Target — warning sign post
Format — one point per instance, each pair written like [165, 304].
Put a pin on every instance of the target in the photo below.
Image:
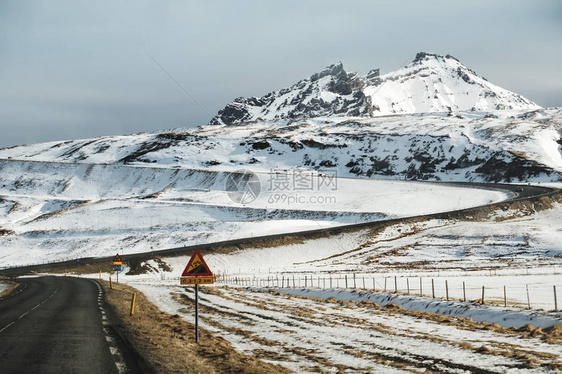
[117, 265]
[196, 272]
[117, 260]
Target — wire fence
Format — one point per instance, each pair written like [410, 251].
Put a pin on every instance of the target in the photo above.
[502, 291]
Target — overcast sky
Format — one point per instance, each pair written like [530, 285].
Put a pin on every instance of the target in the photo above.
[78, 69]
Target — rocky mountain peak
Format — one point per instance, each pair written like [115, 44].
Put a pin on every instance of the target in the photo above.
[335, 70]
[430, 83]
[425, 56]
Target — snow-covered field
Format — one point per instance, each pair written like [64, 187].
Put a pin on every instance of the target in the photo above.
[68, 211]
[321, 305]
[334, 331]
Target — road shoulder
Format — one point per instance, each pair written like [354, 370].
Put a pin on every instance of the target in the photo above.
[166, 342]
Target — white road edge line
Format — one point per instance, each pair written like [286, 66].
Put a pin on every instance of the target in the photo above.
[112, 344]
[10, 324]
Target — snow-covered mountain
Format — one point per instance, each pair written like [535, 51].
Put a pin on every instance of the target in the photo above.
[431, 83]
[443, 122]
[77, 198]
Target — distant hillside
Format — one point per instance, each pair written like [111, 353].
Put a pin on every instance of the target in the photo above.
[517, 147]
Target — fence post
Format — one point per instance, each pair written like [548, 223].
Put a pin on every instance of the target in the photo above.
[408, 285]
[364, 284]
[504, 297]
[432, 288]
[421, 287]
[374, 285]
[555, 300]
[354, 283]
[464, 291]
[447, 289]
[346, 281]
[528, 299]
[384, 284]
[482, 294]
[395, 285]
[331, 281]
[133, 303]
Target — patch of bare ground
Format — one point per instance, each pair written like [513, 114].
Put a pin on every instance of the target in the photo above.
[521, 207]
[167, 342]
[14, 207]
[6, 232]
[139, 266]
[80, 269]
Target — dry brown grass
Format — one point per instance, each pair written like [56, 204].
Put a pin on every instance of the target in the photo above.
[553, 335]
[167, 341]
[11, 286]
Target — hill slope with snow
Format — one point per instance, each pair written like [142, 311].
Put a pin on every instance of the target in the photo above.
[516, 147]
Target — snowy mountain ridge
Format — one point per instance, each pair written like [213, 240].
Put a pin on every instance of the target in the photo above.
[431, 83]
[518, 147]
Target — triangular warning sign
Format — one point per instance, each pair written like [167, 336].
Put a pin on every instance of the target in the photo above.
[196, 267]
[117, 260]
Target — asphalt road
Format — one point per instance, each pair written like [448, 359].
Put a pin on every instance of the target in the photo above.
[54, 325]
